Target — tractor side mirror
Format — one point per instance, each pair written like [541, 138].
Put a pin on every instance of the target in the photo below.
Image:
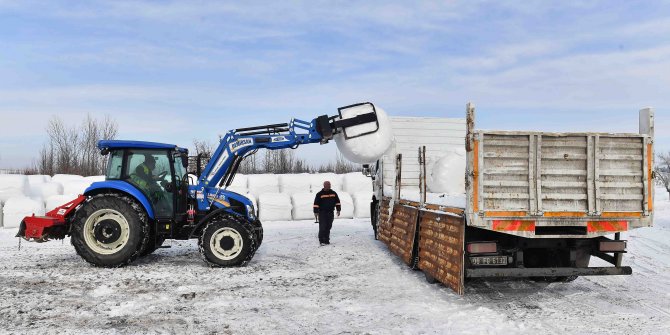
[184, 159]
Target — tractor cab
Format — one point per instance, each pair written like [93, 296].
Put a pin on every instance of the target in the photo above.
[157, 170]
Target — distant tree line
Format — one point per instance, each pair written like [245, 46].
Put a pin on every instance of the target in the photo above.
[72, 149]
[276, 161]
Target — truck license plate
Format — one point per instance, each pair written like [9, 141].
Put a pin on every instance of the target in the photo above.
[489, 260]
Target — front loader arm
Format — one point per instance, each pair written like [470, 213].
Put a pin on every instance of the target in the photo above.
[237, 143]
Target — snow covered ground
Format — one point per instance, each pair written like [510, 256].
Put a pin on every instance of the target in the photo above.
[294, 286]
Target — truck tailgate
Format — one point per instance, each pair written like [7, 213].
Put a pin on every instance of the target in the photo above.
[537, 184]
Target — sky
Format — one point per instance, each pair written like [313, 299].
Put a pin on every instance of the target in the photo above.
[174, 71]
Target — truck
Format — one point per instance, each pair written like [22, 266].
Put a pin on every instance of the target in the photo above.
[536, 204]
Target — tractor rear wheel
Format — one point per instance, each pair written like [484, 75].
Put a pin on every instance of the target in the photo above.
[227, 241]
[110, 230]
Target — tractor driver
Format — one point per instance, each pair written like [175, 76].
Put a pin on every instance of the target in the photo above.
[147, 182]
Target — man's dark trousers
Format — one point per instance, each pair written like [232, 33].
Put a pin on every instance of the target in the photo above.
[325, 224]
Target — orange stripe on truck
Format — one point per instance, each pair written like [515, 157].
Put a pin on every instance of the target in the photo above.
[606, 226]
[499, 214]
[650, 187]
[513, 225]
[621, 214]
[563, 214]
[475, 178]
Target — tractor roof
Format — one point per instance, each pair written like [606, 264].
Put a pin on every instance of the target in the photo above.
[121, 144]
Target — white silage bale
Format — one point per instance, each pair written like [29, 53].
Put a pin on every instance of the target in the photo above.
[58, 200]
[38, 179]
[1, 215]
[362, 202]
[274, 207]
[16, 209]
[316, 181]
[239, 184]
[46, 190]
[262, 183]
[303, 206]
[95, 179]
[356, 182]
[12, 186]
[63, 178]
[76, 186]
[294, 183]
[347, 203]
[448, 173]
[366, 148]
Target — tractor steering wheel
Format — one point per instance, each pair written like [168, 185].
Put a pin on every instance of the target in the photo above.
[161, 175]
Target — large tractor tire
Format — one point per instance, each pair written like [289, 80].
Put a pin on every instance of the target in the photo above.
[227, 241]
[110, 230]
[258, 232]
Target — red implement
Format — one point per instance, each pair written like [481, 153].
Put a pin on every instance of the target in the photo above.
[54, 225]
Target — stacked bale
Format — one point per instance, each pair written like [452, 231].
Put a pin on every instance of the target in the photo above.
[12, 186]
[259, 184]
[294, 183]
[302, 206]
[15, 209]
[362, 202]
[316, 181]
[274, 207]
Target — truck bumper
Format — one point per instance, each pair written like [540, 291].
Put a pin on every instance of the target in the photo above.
[546, 272]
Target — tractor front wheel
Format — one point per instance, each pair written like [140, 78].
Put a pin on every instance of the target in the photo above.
[109, 230]
[227, 242]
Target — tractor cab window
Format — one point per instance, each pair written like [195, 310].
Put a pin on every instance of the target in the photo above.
[114, 165]
[149, 171]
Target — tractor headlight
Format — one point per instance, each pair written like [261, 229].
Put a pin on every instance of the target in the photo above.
[251, 211]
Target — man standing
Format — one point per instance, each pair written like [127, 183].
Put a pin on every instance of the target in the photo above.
[325, 203]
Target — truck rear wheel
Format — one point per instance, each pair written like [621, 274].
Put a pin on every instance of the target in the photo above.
[109, 230]
[374, 217]
[227, 242]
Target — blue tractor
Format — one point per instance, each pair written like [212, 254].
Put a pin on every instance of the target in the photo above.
[146, 197]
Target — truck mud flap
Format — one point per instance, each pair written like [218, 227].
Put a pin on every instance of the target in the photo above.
[441, 239]
[547, 272]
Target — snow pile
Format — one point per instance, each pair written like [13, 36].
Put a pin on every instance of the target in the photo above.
[302, 206]
[362, 202]
[367, 148]
[239, 184]
[316, 181]
[356, 182]
[262, 183]
[58, 200]
[294, 183]
[448, 174]
[76, 186]
[45, 190]
[274, 207]
[12, 186]
[16, 209]
[347, 203]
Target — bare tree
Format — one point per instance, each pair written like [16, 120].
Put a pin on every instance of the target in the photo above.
[662, 170]
[73, 149]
